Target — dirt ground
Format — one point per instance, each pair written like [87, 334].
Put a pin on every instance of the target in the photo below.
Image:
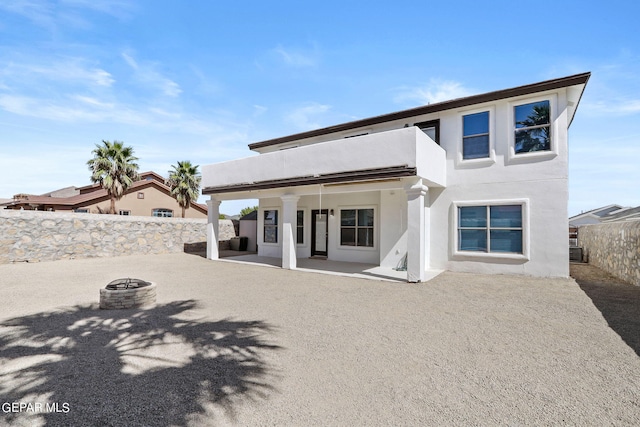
[619, 302]
[236, 344]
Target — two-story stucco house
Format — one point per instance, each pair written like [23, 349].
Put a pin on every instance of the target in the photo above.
[475, 184]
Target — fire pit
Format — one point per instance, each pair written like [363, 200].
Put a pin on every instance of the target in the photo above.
[127, 293]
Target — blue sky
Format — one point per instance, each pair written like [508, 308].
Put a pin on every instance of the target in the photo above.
[199, 80]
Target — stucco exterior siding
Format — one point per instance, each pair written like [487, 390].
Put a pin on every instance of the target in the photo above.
[416, 214]
[411, 148]
[152, 199]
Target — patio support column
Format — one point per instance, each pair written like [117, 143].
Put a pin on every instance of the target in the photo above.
[213, 214]
[289, 217]
[417, 232]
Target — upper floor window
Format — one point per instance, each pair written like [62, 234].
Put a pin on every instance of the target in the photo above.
[475, 135]
[532, 127]
[163, 213]
[123, 212]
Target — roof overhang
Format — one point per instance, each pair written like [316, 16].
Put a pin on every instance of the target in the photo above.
[574, 80]
[355, 176]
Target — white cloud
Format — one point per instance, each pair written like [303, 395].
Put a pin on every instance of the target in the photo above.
[69, 71]
[121, 9]
[146, 74]
[297, 58]
[437, 90]
[40, 12]
[54, 15]
[612, 106]
[259, 110]
[306, 117]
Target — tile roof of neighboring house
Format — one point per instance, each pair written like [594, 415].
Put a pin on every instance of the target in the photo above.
[95, 193]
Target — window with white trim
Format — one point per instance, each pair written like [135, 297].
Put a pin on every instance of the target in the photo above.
[491, 228]
[162, 213]
[532, 127]
[475, 135]
[356, 227]
[270, 232]
[123, 212]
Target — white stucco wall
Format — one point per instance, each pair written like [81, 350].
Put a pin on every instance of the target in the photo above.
[538, 180]
[249, 229]
[336, 202]
[408, 147]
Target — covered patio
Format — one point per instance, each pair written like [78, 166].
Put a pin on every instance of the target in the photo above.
[324, 266]
[361, 200]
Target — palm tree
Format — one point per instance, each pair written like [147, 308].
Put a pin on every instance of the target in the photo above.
[113, 167]
[184, 181]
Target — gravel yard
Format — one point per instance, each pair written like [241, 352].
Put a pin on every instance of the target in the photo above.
[231, 344]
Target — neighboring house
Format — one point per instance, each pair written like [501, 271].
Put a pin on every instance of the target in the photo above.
[476, 184]
[148, 196]
[595, 216]
[626, 214]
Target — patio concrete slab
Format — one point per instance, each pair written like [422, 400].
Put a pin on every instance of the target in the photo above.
[240, 344]
[338, 268]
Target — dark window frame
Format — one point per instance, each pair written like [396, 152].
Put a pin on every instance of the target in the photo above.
[300, 227]
[357, 228]
[272, 227]
[430, 124]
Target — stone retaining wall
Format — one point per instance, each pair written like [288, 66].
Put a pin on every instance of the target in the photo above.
[613, 247]
[31, 236]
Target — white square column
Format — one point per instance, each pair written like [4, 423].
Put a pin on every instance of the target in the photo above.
[289, 224]
[213, 215]
[417, 232]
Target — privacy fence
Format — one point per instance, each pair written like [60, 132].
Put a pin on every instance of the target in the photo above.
[31, 236]
[613, 247]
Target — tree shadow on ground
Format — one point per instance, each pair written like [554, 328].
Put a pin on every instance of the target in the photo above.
[133, 367]
[618, 302]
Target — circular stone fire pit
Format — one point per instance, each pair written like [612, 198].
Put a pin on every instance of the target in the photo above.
[127, 293]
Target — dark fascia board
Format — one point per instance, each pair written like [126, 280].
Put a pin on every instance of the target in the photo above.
[339, 177]
[575, 79]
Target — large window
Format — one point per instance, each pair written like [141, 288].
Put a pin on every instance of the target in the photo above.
[271, 226]
[356, 227]
[163, 213]
[489, 229]
[475, 135]
[532, 127]
[300, 227]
